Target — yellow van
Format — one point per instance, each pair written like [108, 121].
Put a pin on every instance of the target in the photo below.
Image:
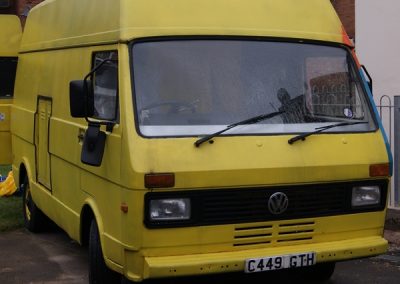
[10, 37]
[183, 137]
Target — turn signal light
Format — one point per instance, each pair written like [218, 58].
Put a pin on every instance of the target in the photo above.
[159, 180]
[379, 170]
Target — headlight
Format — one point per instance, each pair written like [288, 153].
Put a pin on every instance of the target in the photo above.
[170, 209]
[366, 195]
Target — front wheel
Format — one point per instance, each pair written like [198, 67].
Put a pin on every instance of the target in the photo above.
[34, 219]
[98, 271]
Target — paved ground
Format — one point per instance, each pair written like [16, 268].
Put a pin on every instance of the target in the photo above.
[52, 257]
[41, 258]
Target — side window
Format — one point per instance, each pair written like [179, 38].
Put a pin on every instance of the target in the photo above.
[105, 85]
[8, 69]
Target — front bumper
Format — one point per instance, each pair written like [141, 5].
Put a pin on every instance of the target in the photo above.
[210, 263]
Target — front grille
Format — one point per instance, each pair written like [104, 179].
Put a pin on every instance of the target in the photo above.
[237, 206]
[244, 205]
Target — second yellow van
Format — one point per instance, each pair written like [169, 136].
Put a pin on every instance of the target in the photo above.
[10, 36]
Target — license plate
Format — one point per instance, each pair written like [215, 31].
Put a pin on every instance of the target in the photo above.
[280, 262]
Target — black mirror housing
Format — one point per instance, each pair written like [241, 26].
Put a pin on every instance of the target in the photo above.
[77, 99]
[93, 146]
[80, 100]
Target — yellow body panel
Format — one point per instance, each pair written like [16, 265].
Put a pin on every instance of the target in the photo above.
[47, 144]
[235, 261]
[122, 20]
[266, 160]
[10, 37]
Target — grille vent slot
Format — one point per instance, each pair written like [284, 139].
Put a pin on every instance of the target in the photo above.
[295, 232]
[274, 234]
[253, 235]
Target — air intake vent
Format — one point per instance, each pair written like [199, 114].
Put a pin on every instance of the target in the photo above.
[274, 234]
[253, 235]
[5, 3]
[295, 232]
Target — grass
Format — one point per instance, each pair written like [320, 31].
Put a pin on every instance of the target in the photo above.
[4, 170]
[10, 213]
[10, 209]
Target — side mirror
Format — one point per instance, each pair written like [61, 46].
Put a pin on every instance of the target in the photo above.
[79, 99]
[96, 99]
[97, 95]
[369, 77]
[93, 146]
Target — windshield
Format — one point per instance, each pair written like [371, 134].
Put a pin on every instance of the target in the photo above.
[198, 87]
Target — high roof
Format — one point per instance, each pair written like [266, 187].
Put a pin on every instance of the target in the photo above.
[58, 23]
[10, 35]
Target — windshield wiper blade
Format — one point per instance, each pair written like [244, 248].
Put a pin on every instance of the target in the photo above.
[251, 120]
[321, 129]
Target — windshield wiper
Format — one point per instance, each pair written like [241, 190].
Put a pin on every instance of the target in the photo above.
[252, 120]
[321, 129]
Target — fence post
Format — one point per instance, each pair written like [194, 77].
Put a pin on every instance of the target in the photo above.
[389, 107]
[396, 150]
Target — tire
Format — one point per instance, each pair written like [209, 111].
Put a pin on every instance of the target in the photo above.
[320, 272]
[98, 271]
[34, 219]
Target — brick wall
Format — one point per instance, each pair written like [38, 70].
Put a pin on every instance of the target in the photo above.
[23, 7]
[346, 11]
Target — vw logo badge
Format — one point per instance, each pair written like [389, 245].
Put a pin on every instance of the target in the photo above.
[278, 203]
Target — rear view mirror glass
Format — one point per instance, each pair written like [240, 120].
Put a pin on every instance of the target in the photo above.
[78, 95]
[105, 86]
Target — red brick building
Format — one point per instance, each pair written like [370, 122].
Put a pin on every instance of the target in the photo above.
[18, 7]
[345, 9]
[347, 13]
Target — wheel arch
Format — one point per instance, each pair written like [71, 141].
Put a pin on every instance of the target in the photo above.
[22, 174]
[24, 171]
[88, 213]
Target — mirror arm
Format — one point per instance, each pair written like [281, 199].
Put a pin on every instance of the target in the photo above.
[90, 74]
[110, 126]
[86, 98]
[92, 135]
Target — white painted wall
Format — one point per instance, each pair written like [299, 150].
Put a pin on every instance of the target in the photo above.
[378, 42]
[378, 48]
